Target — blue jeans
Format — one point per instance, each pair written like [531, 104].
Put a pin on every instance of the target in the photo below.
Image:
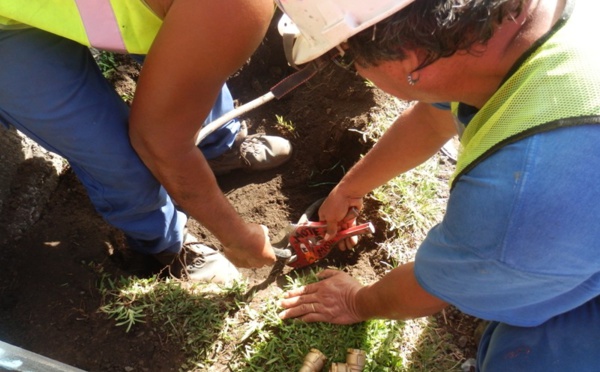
[567, 342]
[52, 90]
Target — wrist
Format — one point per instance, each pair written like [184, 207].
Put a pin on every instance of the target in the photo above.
[361, 304]
[248, 236]
[235, 233]
[346, 189]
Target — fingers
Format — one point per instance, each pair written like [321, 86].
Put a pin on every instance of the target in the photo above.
[297, 306]
[309, 312]
[332, 229]
[301, 304]
[330, 212]
[348, 243]
[252, 249]
[328, 300]
[339, 212]
[351, 215]
[301, 294]
[267, 247]
[328, 273]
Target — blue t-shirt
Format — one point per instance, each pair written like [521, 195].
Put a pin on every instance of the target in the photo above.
[520, 241]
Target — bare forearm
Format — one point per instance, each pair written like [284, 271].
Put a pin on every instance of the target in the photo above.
[196, 189]
[182, 76]
[189, 181]
[338, 298]
[415, 136]
[397, 295]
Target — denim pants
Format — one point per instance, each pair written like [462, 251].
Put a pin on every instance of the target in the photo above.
[567, 342]
[519, 245]
[52, 90]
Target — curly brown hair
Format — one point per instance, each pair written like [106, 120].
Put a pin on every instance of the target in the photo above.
[440, 28]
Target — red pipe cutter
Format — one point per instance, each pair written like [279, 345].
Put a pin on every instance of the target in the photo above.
[302, 244]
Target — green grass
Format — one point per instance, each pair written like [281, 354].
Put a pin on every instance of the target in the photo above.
[219, 328]
[203, 319]
[107, 63]
[215, 328]
[287, 127]
[411, 204]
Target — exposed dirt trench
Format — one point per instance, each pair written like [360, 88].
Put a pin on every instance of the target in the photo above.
[48, 286]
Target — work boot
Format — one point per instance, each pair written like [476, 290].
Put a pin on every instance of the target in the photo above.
[199, 263]
[252, 153]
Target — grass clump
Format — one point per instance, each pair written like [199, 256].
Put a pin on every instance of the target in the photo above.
[221, 329]
[107, 63]
[282, 345]
[216, 328]
[195, 315]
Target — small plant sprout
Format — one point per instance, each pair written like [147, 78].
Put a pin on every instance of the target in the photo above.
[285, 125]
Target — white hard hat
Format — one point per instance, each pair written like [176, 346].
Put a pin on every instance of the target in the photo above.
[321, 25]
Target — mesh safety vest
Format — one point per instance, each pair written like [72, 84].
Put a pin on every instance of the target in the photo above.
[556, 84]
[126, 26]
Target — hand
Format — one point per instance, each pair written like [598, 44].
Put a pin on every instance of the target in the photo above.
[332, 300]
[348, 221]
[348, 243]
[336, 211]
[252, 248]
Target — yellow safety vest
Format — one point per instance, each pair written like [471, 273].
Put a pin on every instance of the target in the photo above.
[557, 85]
[126, 26]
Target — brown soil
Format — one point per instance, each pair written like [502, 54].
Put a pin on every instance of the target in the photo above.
[48, 286]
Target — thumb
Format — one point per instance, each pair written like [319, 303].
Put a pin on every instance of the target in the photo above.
[265, 230]
[327, 273]
[332, 229]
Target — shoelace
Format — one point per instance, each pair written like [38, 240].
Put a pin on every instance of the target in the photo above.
[251, 145]
[200, 257]
[197, 263]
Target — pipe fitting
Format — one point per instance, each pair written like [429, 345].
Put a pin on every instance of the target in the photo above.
[313, 361]
[355, 362]
[356, 357]
[342, 367]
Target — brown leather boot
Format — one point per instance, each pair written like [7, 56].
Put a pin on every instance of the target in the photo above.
[252, 153]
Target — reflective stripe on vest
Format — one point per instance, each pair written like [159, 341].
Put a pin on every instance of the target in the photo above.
[557, 85]
[101, 25]
[115, 25]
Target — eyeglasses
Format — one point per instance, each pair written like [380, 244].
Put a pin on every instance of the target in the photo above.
[345, 60]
